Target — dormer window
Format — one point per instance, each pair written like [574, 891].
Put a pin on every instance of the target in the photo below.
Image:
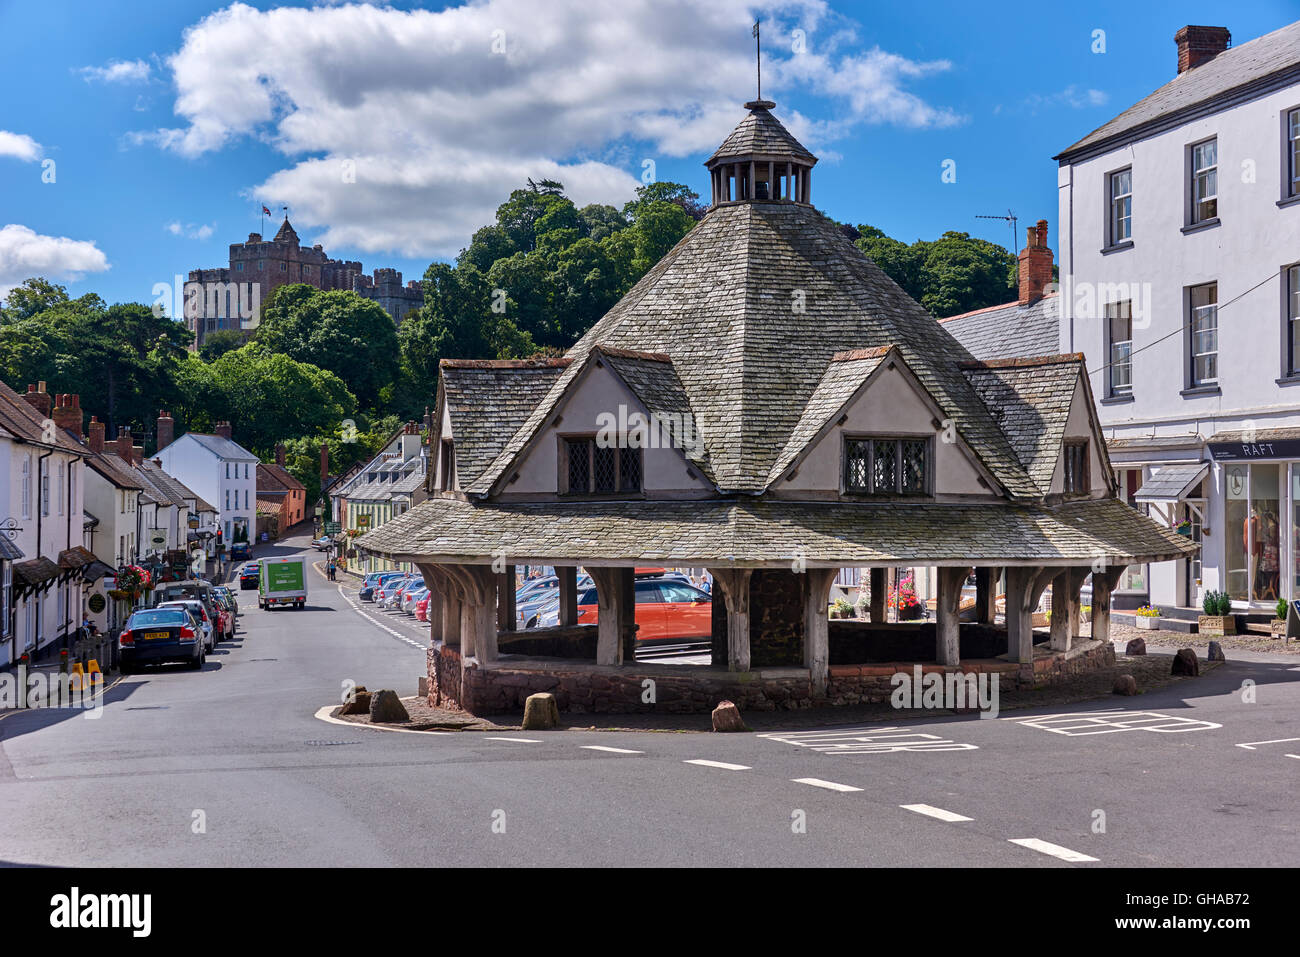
[1076, 468]
[590, 468]
[887, 466]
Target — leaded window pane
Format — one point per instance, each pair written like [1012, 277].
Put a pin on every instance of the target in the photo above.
[913, 466]
[886, 466]
[604, 469]
[629, 470]
[579, 465]
[857, 462]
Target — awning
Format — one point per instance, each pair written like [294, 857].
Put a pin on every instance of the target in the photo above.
[8, 550]
[96, 570]
[33, 574]
[1172, 483]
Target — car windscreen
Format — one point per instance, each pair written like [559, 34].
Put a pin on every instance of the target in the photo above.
[158, 618]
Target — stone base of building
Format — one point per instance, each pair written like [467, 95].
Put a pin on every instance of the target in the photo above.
[583, 687]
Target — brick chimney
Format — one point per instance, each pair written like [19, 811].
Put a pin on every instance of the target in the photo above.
[324, 462]
[223, 429]
[67, 413]
[137, 455]
[95, 436]
[124, 443]
[279, 454]
[39, 399]
[1197, 45]
[1035, 264]
[166, 430]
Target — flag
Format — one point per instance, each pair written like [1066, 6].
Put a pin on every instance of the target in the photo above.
[755, 28]
[265, 211]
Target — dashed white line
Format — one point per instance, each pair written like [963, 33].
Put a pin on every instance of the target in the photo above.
[718, 764]
[930, 810]
[378, 624]
[601, 747]
[1250, 745]
[1055, 850]
[519, 740]
[828, 785]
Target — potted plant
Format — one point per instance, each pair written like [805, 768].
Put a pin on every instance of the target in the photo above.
[1277, 627]
[840, 608]
[1217, 619]
[904, 599]
[1184, 528]
[1148, 618]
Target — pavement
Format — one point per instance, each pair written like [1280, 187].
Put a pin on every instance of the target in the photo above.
[230, 766]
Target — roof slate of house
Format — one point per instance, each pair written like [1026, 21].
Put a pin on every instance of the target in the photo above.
[751, 305]
[1274, 53]
[178, 490]
[1001, 332]
[1171, 482]
[160, 490]
[115, 470]
[277, 479]
[1031, 403]
[773, 532]
[411, 483]
[761, 133]
[222, 448]
[488, 403]
[19, 418]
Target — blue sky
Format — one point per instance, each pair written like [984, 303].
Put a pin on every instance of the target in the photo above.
[170, 127]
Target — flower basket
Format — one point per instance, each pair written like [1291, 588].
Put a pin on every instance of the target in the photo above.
[1216, 625]
[1277, 627]
[1184, 529]
[1147, 623]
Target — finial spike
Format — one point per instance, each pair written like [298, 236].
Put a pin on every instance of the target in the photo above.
[758, 56]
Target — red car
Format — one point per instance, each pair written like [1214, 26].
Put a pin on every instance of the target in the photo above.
[422, 608]
[666, 610]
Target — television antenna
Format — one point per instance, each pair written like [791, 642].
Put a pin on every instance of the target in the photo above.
[1010, 220]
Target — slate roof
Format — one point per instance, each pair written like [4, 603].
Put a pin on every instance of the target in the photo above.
[1170, 483]
[1207, 85]
[768, 532]
[179, 492]
[8, 550]
[761, 133]
[721, 303]
[221, 447]
[275, 479]
[1009, 331]
[158, 490]
[33, 573]
[285, 233]
[1031, 402]
[24, 422]
[113, 468]
[488, 402]
[411, 483]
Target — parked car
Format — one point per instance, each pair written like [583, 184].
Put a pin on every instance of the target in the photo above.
[411, 595]
[320, 544]
[200, 614]
[371, 583]
[422, 608]
[241, 551]
[249, 576]
[666, 610]
[230, 597]
[223, 601]
[156, 635]
[392, 591]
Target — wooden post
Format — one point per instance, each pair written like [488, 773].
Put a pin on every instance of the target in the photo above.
[879, 592]
[506, 616]
[568, 576]
[789, 181]
[438, 589]
[947, 647]
[1024, 587]
[772, 187]
[734, 583]
[753, 190]
[612, 606]
[986, 602]
[1103, 584]
[816, 629]
[807, 185]
[1060, 631]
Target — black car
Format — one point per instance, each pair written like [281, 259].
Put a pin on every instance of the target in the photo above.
[241, 552]
[156, 635]
[249, 575]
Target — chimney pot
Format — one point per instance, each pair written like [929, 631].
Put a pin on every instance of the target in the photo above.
[39, 399]
[1035, 264]
[95, 438]
[279, 454]
[67, 413]
[223, 430]
[124, 444]
[1197, 45]
[166, 433]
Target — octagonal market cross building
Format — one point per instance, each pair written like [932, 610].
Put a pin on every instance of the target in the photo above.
[767, 404]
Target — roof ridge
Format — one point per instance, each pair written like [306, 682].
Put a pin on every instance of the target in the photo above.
[632, 353]
[1005, 305]
[558, 362]
[1023, 362]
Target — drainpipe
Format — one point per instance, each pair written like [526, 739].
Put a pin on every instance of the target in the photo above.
[40, 501]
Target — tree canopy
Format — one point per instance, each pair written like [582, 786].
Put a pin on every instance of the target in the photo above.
[949, 275]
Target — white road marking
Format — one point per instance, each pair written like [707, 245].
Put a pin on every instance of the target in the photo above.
[323, 714]
[1296, 756]
[1111, 722]
[869, 741]
[828, 785]
[519, 740]
[718, 764]
[1250, 745]
[601, 747]
[378, 624]
[1055, 850]
[931, 811]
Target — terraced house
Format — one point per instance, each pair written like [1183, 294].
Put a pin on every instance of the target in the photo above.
[382, 488]
[767, 404]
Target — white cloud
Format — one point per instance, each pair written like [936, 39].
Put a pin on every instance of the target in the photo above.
[19, 145]
[189, 230]
[117, 71]
[439, 128]
[1072, 96]
[25, 253]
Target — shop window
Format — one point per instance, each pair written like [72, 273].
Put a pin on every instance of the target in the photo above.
[1119, 333]
[1205, 334]
[886, 466]
[1252, 510]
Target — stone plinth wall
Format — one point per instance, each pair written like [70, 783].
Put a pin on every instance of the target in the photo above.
[873, 683]
[502, 690]
[577, 642]
[444, 676]
[775, 620]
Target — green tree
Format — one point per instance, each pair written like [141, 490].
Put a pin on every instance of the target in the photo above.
[217, 344]
[948, 276]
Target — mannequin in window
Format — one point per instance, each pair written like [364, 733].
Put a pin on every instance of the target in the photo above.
[1250, 540]
[1266, 585]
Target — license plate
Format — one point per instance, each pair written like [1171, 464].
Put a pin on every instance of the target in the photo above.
[151, 635]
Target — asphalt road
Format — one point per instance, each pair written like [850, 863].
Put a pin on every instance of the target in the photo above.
[237, 749]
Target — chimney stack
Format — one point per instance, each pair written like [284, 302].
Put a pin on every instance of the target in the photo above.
[124, 443]
[324, 462]
[428, 421]
[1197, 45]
[95, 438]
[166, 430]
[223, 429]
[137, 455]
[279, 454]
[67, 413]
[1035, 264]
[39, 399]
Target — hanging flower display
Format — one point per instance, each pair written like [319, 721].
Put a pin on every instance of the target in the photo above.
[134, 580]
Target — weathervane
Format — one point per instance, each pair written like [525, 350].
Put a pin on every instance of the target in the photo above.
[758, 56]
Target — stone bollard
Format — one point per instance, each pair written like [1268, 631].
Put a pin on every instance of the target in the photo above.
[1216, 652]
[387, 708]
[541, 712]
[360, 703]
[1186, 663]
[726, 717]
[1125, 685]
[1138, 646]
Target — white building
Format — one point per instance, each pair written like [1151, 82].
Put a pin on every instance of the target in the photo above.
[222, 472]
[1180, 283]
[41, 522]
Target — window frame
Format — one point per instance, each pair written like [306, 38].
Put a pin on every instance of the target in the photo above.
[1114, 389]
[1194, 217]
[568, 440]
[1291, 153]
[848, 488]
[1112, 237]
[1081, 475]
[1194, 381]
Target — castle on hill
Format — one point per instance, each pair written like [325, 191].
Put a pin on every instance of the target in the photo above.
[258, 267]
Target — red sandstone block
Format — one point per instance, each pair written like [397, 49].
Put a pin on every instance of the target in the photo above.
[844, 671]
